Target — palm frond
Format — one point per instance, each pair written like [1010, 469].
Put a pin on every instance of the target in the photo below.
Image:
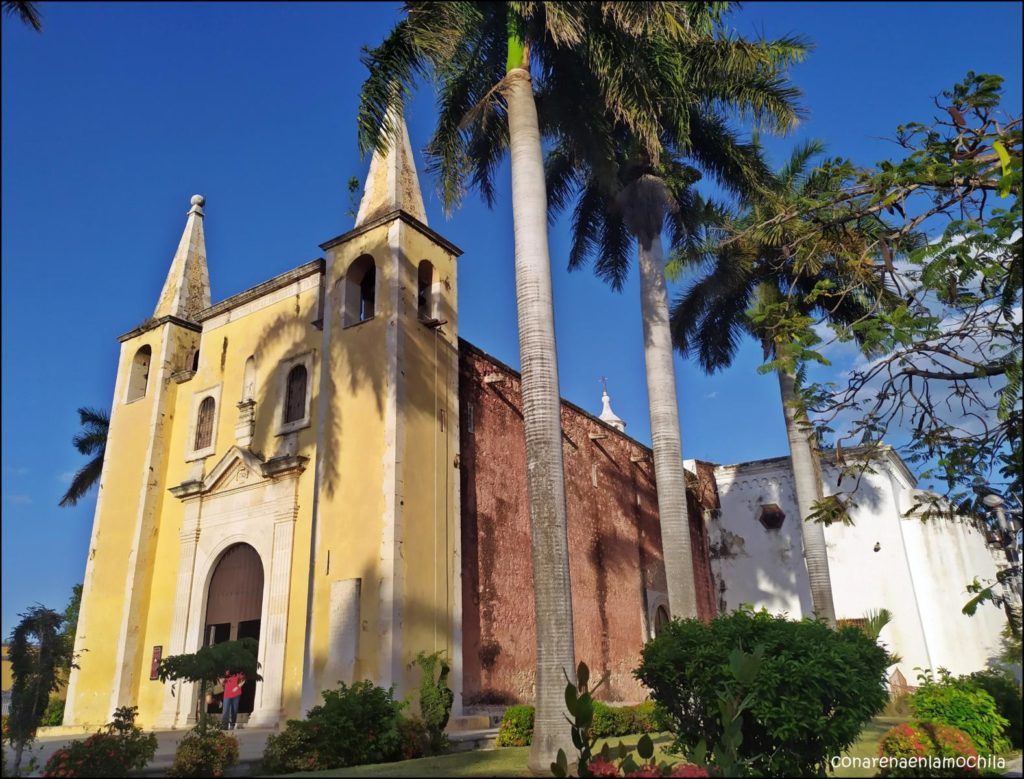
[26, 11]
[83, 481]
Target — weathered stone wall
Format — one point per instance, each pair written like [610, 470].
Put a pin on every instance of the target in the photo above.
[615, 563]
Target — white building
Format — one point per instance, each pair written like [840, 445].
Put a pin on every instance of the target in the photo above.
[918, 570]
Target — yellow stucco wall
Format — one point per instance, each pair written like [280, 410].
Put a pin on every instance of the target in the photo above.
[271, 335]
[386, 424]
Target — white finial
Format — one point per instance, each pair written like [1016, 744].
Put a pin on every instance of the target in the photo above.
[607, 415]
[198, 201]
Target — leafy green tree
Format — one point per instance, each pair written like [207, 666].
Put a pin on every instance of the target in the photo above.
[944, 356]
[949, 356]
[752, 284]
[207, 665]
[37, 652]
[92, 442]
[501, 68]
[626, 196]
[70, 626]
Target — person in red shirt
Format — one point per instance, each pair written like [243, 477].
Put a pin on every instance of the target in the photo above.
[233, 682]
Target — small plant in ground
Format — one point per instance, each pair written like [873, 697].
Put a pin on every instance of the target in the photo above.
[116, 751]
[962, 704]
[415, 738]
[617, 761]
[205, 751]
[516, 729]
[919, 743]
[54, 714]
[436, 698]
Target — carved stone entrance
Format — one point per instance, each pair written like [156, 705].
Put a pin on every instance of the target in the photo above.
[234, 607]
[243, 500]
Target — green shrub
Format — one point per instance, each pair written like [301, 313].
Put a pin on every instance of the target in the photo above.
[814, 691]
[647, 718]
[415, 738]
[54, 713]
[927, 740]
[516, 729]
[353, 726]
[962, 704]
[436, 699]
[1007, 695]
[116, 751]
[205, 752]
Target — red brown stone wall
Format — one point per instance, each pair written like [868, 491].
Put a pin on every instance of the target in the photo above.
[615, 553]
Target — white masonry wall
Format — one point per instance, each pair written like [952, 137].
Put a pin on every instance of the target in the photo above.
[919, 571]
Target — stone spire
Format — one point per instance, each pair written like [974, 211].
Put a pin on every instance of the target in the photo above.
[607, 415]
[187, 289]
[392, 184]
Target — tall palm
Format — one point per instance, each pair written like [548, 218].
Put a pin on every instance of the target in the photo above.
[752, 270]
[488, 60]
[624, 195]
[91, 441]
[26, 11]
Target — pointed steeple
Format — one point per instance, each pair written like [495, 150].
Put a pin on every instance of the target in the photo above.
[187, 289]
[392, 184]
[607, 415]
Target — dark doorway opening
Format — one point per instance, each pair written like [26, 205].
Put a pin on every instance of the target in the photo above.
[233, 608]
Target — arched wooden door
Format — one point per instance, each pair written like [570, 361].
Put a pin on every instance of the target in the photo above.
[234, 605]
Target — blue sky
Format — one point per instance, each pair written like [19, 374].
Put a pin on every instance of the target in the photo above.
[117, 113]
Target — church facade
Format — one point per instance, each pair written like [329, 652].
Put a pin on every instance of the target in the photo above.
[322, 464]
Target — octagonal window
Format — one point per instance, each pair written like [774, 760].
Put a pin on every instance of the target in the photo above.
[771, 516]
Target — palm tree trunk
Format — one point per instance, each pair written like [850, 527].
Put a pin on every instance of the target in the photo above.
[542, 421]
[664, 411]
[807, 482]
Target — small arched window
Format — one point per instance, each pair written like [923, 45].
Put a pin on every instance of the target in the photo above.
[660, 620]
[195, 360]
[139, 377]
[360, 291]
[204, 424]
[295, 395]
[249, 380]
[425, 291]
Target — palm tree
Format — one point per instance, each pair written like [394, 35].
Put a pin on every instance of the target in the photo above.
[26, 11]
[624, 195]
[488, 60]
[758, 272]
[90, 441]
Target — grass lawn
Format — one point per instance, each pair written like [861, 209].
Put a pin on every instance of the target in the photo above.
[511, 761]
[867, 744]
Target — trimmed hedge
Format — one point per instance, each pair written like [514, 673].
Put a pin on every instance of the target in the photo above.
[609, 721]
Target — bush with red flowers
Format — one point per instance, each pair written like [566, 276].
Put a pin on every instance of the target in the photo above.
[919, 743]
[117, 751]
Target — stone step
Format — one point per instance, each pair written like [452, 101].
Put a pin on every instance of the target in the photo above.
[469, 740]
[468, 722]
